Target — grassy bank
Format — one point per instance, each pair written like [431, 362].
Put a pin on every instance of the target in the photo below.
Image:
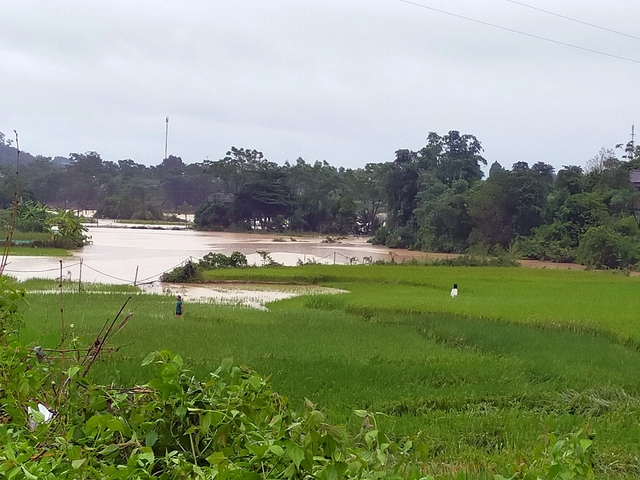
[21, 251]
[22, 245]
[478, 376]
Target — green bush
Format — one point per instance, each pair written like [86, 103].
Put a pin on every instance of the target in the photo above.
[188, 272]
[220, 260]
[604, 247]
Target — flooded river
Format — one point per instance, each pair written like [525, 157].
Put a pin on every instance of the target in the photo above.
[126, 255]
[116, 254]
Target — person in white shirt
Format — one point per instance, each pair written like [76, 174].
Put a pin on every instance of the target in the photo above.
[454, 291]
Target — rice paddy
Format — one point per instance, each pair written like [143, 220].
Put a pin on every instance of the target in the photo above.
[520, 352]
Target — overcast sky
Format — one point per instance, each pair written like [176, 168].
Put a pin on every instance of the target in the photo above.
[348, 81]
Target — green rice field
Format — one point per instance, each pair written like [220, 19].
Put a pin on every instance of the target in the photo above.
[521, 353]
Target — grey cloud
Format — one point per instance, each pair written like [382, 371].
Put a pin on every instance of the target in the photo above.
[349, 82]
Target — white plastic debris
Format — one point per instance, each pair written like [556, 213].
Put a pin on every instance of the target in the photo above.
[44, 411]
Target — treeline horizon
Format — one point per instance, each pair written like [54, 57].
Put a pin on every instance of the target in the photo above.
[433, 199]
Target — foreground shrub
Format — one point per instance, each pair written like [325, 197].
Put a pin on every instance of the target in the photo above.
[231, 426]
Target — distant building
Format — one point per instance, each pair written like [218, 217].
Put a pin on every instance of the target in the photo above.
[634, 178]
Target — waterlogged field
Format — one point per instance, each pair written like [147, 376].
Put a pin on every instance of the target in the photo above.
[519, 354]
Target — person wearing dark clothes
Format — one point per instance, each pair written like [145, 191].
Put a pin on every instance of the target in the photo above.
[178, 306]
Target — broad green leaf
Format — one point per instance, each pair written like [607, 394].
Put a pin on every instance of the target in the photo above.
[28, 474]
[178, 361]
[76, 464]
[74, 453]
[296, 454]
[255, 382]
[151, 438]
[109, 449]
[37, 416]
[115, 425]
[147, 456]
[277, 449]
[216, 458]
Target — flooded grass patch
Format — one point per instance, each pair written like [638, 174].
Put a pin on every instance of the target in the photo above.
[240, 294]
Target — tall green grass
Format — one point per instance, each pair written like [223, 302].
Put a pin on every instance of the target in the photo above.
[570, 299]
[521, 352]
[68, 287]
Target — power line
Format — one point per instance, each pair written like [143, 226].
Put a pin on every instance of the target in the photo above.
[558, 42]
[574, 20]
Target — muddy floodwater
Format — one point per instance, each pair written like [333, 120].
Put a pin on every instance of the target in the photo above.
[125, 255]
[249, 295]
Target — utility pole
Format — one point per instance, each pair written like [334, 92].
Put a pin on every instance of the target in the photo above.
[166, 137]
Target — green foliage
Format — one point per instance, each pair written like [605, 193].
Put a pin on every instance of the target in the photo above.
[409, 183]
[501, 260]
[232, 425]
[567, 458]
[220, 260]
[187, 272]
[70, 229]
[38, 226]
[267, 260]
[212, 216]
[547, 242]
[506, 205]
[229, 426]
[481, 390]
[602, 246]
[432, 199]
[124, 208]
[192, 272]
[443, 215]
[32, 217]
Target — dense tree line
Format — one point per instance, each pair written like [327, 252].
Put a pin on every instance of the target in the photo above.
[434, 199]
[241, 191]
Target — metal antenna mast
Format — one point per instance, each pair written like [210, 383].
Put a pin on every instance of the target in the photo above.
[166, 137]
